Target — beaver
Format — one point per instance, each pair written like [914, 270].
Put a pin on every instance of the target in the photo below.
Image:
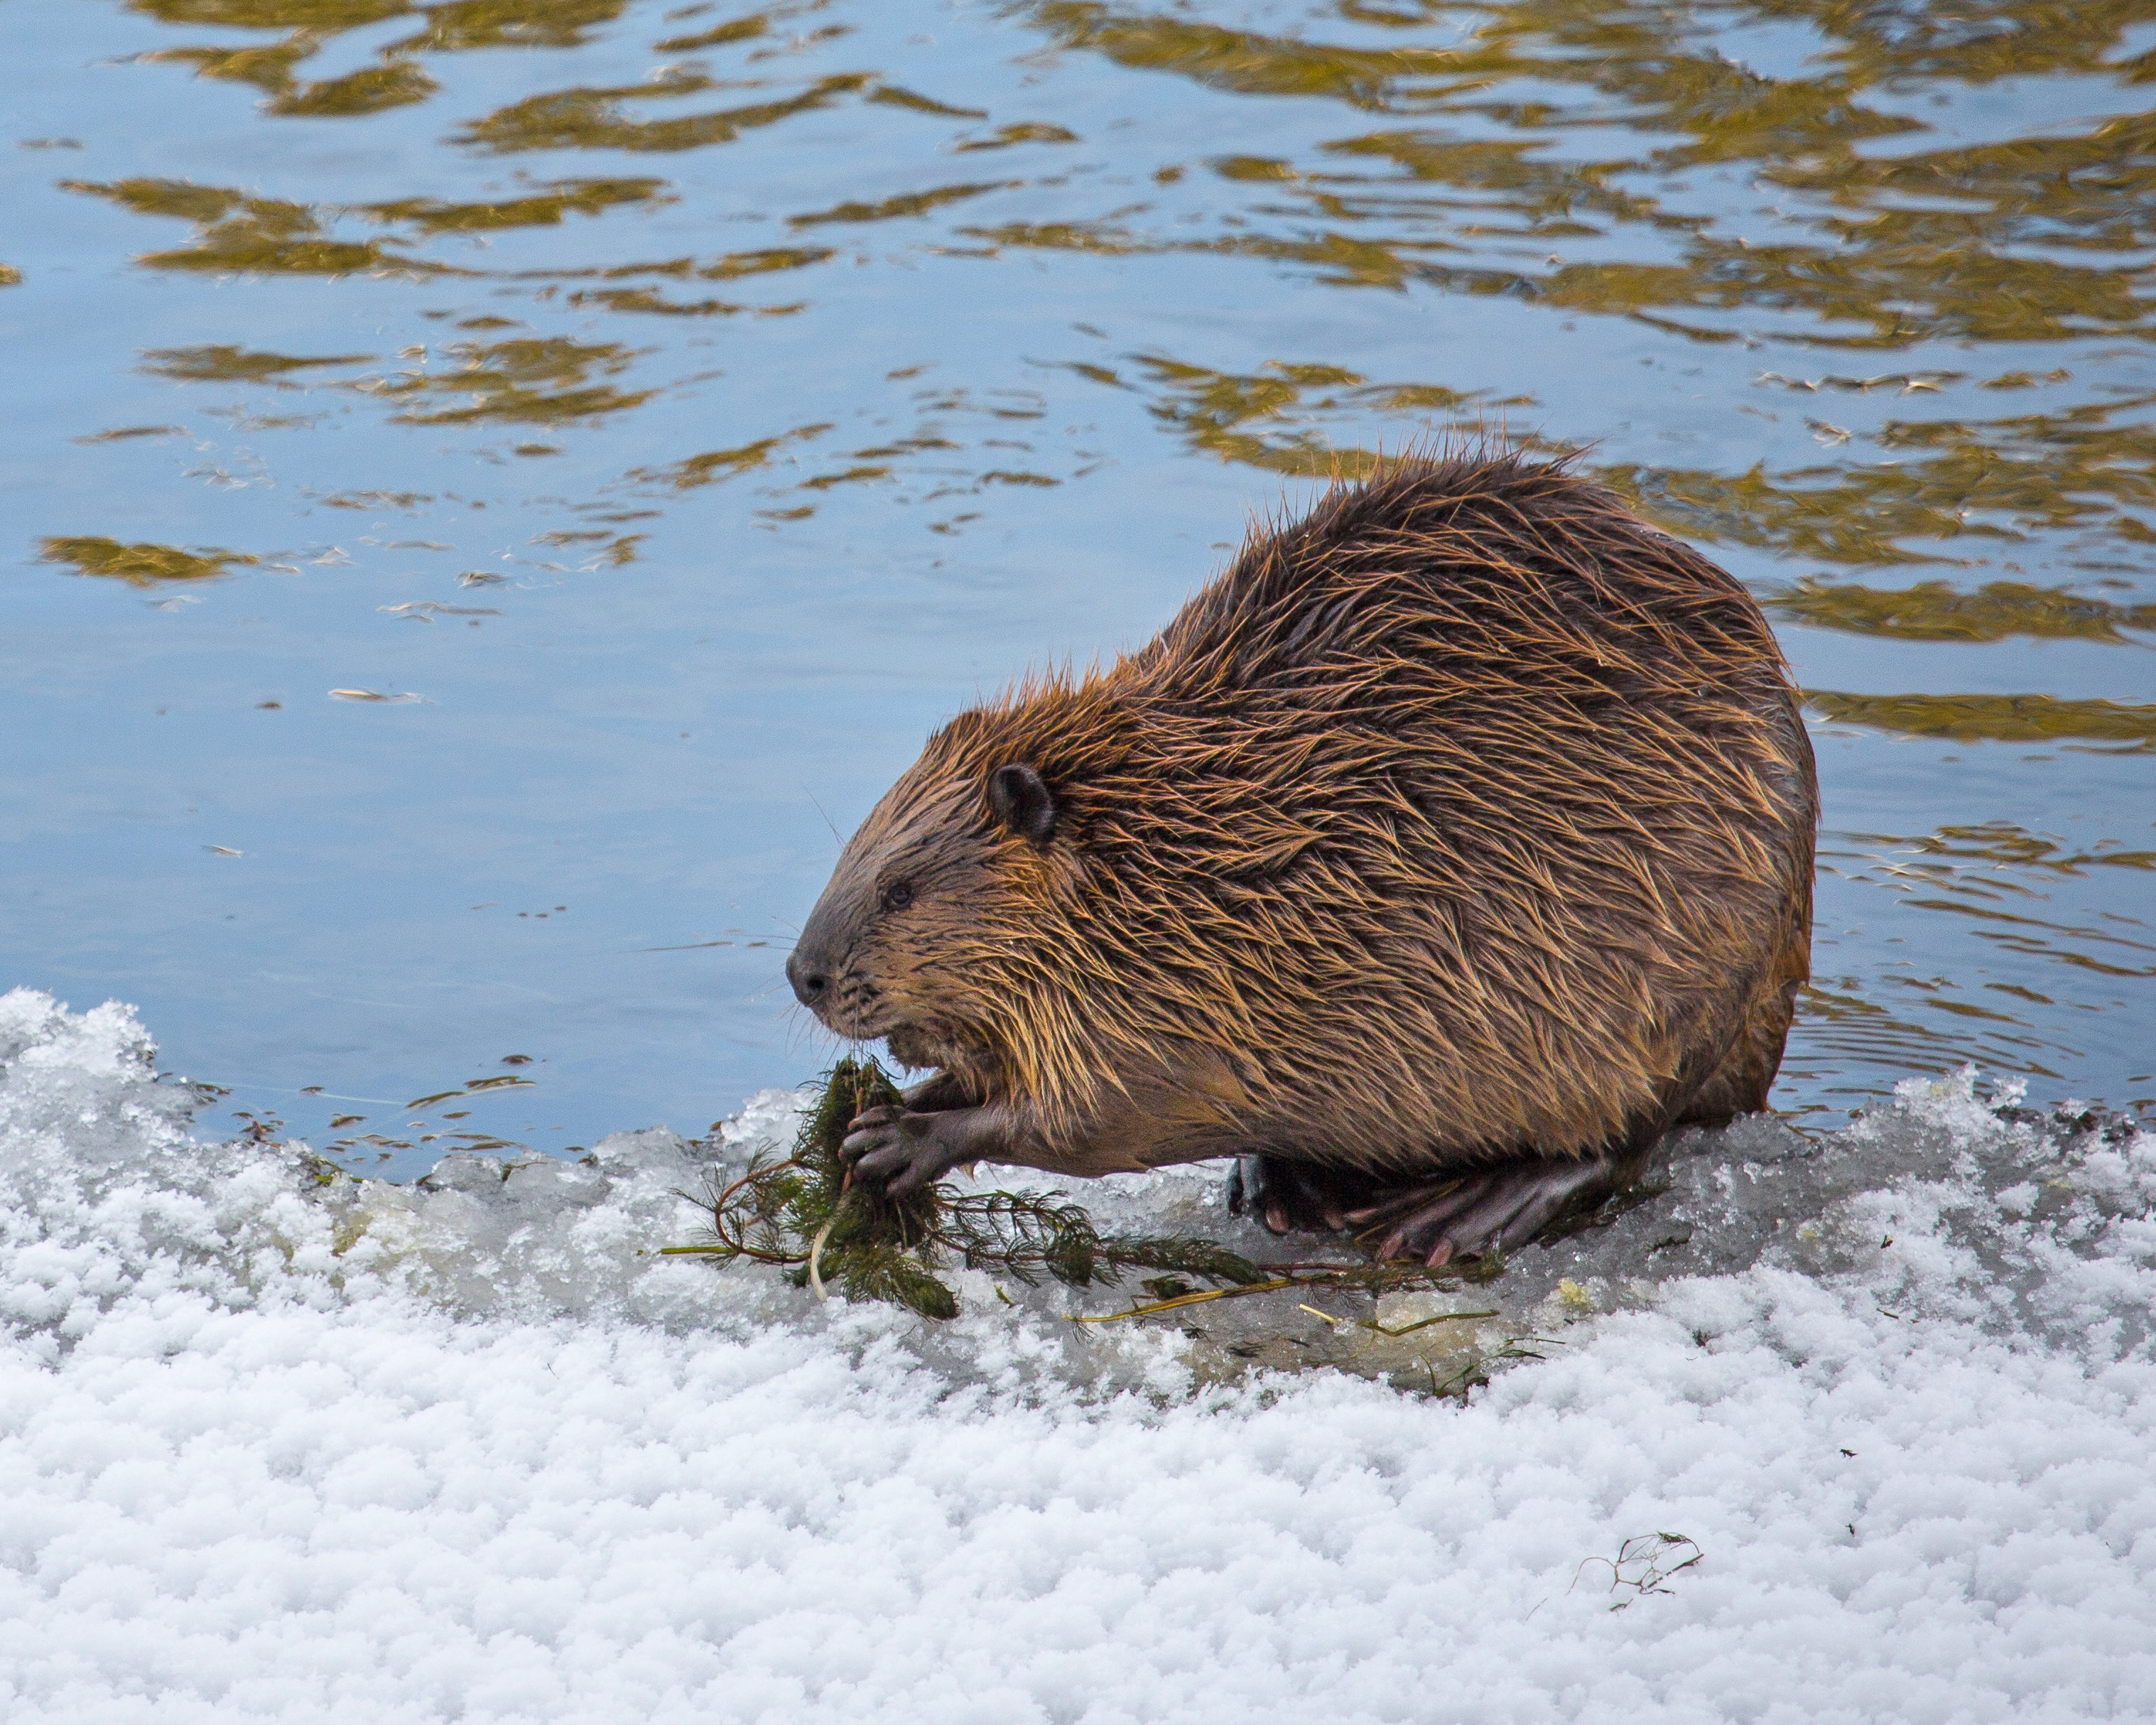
[1435, 861]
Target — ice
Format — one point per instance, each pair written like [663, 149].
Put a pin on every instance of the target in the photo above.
[276, 1444]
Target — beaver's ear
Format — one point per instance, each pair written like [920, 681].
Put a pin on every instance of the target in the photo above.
[1021, 802]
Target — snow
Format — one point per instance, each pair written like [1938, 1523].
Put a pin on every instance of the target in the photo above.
[277, 1445]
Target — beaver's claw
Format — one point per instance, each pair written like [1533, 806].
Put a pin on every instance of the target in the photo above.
[1496, 1209]
[903, 1150]
[1475, 1211]
[1297, 1197]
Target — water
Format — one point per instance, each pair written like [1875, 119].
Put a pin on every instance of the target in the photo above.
[677, 411]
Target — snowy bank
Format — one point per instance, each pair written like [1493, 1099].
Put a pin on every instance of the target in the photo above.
[277, 1445]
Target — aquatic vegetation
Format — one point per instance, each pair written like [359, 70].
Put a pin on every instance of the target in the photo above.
[805, 1214]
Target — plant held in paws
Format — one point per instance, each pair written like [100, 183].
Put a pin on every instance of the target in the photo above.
[807, 1214]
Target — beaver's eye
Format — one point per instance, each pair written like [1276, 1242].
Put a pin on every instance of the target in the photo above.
[898, 895]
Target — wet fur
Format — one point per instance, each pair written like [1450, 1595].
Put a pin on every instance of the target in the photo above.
[1467, 818]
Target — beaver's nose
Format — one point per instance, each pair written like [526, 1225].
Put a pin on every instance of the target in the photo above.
[810, 984]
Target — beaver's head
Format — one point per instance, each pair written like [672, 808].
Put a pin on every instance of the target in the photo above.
[935, 902]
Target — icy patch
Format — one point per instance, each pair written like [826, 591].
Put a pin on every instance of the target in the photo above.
[275, 1445]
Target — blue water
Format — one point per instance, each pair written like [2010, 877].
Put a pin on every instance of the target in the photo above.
[679, 429]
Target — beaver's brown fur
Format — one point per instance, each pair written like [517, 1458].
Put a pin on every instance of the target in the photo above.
[1443, 854]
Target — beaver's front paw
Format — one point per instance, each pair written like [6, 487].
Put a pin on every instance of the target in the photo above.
[902, 1150]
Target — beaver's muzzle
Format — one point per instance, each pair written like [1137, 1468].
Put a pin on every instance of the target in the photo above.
[811, 979]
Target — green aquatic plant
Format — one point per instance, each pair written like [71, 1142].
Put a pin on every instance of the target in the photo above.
[807, 1214]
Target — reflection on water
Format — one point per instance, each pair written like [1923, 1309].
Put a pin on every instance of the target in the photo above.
[602, 120]
[237, 232]
[2003, 718]
[534, 379]
[1938, 611]
[541, 209]
[2081, 472]
[2026, 907]
[143, 565]
[726, 393]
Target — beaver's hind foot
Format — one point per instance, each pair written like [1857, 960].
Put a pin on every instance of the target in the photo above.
[1301, 1197]
[1470, 1214]
[1467, 1214]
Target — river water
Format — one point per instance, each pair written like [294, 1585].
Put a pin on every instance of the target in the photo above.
[494, 487]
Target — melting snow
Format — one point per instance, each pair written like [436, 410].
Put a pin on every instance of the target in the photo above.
[277, 1444]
